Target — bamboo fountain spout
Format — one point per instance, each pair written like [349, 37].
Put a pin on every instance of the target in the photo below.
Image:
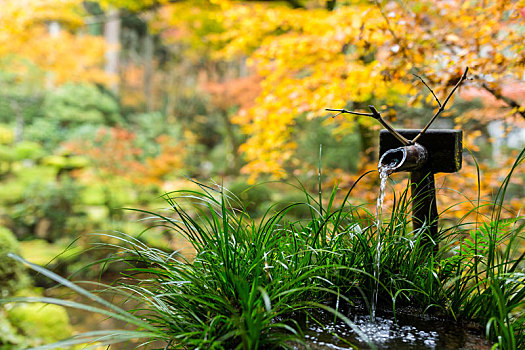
[436, 151]
[422, 153]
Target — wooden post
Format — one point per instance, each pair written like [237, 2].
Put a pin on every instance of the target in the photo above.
[424, 207]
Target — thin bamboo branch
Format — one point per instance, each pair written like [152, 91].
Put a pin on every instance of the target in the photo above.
[428, 87]
[441, 108]
[341, 111]
[377, 116]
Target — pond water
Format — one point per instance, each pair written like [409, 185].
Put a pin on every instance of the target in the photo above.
[410, 332]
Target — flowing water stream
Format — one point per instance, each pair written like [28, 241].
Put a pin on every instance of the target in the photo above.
[384, 171]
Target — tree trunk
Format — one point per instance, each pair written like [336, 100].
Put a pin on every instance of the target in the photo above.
[424, 207]
[148, 71]
[19, 121]
[112, 37]
[53, 29]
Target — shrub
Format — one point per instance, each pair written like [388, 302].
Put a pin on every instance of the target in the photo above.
[76, 104]
[28, 150]
[47, 209]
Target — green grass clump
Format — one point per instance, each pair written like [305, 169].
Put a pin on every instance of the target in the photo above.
[252, 283]
[244, 287]
[247, 278]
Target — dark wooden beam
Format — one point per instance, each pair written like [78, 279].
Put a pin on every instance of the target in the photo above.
[444, 147]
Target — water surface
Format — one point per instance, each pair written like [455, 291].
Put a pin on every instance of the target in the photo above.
[410, 332]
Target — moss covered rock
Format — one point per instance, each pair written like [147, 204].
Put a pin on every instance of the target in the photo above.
[13, 276]
[24, 325]
[42, 323]
[9, 337]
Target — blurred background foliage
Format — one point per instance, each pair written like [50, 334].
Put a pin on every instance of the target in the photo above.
[108, 104]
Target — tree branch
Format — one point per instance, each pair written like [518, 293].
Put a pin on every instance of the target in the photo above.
[510, 102]
[428, 87]
[377, 116]
[404, 50]
[296, 4]
[330, 4]
[441, 108]
[348, 112]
